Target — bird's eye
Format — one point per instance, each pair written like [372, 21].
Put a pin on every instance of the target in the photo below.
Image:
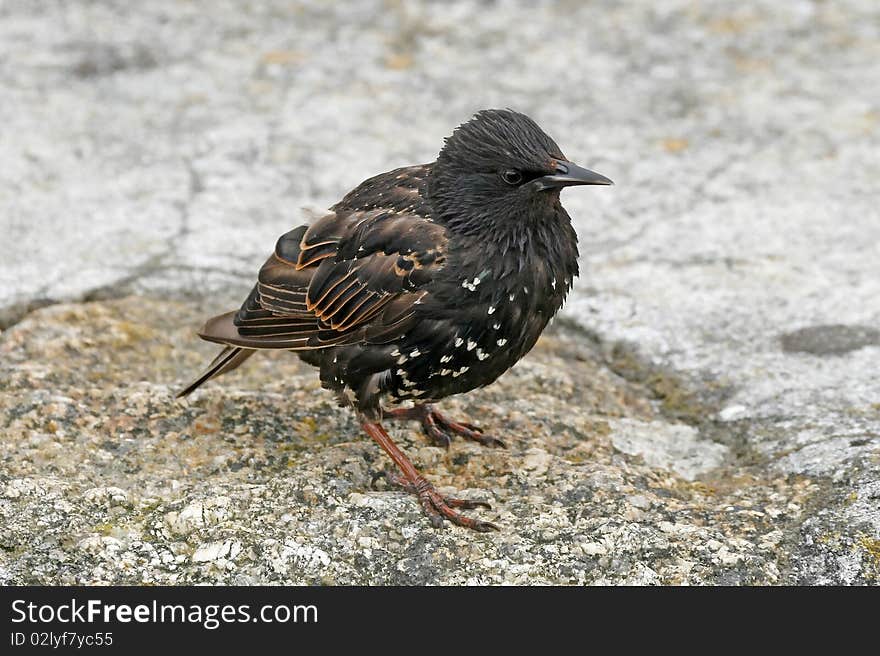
[512, 176]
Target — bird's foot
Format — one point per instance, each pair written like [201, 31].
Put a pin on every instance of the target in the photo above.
[440, 429]
[436, 506]
[439, 507]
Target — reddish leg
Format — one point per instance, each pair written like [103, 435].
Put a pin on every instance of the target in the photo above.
[435, 505]
[439, 429]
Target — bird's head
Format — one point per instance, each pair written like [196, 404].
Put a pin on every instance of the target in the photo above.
[501, 168]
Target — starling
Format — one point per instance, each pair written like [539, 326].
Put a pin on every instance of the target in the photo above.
[422, 282]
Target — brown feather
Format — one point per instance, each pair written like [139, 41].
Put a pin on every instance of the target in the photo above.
[228, 359]
[350, 274]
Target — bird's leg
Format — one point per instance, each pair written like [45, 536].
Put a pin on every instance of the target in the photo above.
[436, 506]
[439, 429]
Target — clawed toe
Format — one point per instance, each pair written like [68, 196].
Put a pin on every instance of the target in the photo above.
[439, 507]
[436, 506]
[469, 431]
[440, 430]
[438, 437]
[470, 426]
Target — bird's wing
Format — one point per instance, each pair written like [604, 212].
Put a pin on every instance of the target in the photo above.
[351, 276]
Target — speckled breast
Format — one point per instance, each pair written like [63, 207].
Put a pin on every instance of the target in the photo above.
[486, 334]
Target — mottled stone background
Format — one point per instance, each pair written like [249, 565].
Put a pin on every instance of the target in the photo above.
[707, 410]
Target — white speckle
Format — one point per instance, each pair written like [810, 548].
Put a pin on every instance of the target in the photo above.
[459, 341]
[458, 373]
[401, 372]
[526, 290]
[472, 286]
[481, 355]
[496, 326]
[395, 353]
[446, 358]
[402, 359]
[512, 296]
[445, 372]
[335, 357]
[491, 309]
[553, 283]
[501, 342]
[415, 353]
[360, 249]
[471, 345]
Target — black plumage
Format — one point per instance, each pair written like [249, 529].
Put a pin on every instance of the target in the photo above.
[423, 282]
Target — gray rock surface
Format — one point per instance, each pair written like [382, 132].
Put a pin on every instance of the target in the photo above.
[707, 409]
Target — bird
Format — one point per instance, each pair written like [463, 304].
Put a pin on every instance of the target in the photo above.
[421, 283]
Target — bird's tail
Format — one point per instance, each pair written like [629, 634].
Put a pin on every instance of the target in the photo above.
[227, 360]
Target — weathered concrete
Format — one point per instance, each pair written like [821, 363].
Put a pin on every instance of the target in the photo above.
[731, 279]
[263, 479]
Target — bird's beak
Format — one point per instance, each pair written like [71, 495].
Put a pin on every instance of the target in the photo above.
[568, 174]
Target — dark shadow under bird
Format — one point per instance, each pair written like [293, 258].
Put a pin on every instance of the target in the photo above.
[423, 282]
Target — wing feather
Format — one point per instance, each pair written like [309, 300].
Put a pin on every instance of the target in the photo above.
[354, 275]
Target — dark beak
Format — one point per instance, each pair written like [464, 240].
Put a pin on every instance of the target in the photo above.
[569, 174]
